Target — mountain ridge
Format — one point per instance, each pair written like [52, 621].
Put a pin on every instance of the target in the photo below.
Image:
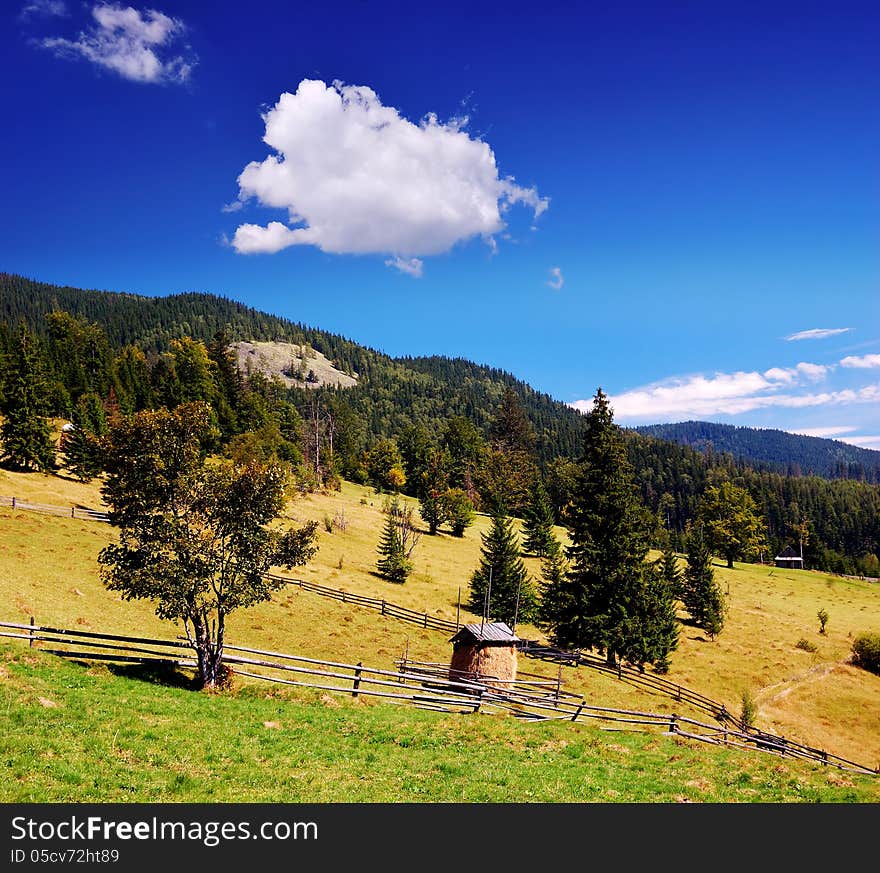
[773, 449]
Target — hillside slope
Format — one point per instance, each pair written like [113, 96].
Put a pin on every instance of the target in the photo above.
[792, 454]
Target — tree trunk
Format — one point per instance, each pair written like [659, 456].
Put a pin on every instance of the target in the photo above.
[611, 658]
[209, 653]
[729, 563]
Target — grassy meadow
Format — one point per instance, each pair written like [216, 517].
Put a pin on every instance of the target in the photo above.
[75, 734]
[48, 569]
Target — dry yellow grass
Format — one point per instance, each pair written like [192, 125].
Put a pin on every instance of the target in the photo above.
[48, 568]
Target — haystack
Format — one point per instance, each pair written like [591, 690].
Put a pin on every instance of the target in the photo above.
[483, 650]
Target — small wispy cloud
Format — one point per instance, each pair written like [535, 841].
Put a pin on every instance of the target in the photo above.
[817, 333]
[410, 266]
[863, 362]
[43, 9]
[824, 432]
[863, 442]
[556, 280]
[137, 46]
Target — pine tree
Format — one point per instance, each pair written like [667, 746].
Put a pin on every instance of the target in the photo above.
[701, 594]
[553, 570]
[512, 597]
[538, 522]
[26, 437]
[606, 600]
[398, 540]
[80, 446]
[654, 623]
[670, 571]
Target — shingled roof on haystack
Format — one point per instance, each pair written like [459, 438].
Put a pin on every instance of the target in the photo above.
[488, 632]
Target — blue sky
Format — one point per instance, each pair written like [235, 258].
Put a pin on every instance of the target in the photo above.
[679, 203]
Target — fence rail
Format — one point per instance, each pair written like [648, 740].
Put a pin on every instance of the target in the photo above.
[83, 512]
[422, 685]
[530, 648]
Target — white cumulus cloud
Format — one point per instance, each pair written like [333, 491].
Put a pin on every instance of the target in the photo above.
[556, 280]
[355, 177]
[138, 46]
[817, 333]
[727, 394]
[863, 362]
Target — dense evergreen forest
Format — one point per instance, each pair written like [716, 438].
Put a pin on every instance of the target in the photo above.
[776, 450]
[418, 425]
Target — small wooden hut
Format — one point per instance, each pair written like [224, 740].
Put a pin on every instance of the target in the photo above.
[487, 649]
[790, 559]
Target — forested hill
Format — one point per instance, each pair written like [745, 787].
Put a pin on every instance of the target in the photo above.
[764, 448]
[392, 394]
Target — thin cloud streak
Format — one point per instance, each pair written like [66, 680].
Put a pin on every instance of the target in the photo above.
[816, 333]
[824, 432]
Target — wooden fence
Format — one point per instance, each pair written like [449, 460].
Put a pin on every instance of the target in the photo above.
[82, 512]
[531, 648]
[420, 685]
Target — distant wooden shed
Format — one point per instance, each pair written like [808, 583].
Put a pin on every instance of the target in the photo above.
[487, 649]
[789, 558]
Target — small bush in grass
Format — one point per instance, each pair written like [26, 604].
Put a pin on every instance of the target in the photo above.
[749, 712]
[866, 652]
[806, 645]
[328, 523]
[822, 615]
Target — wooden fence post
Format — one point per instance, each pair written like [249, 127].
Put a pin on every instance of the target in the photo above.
[558, 682]
[383, 607]
[73, 512]
[479, 700]
[31, 632]
[580, 707]
[458, 611]
[357, 679]
[13, 503]
[426, 619]
[673, 727]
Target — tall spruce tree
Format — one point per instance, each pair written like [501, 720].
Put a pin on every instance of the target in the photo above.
[512, 597]
[553, 570]
[701, 595]
[81, 446]
[25, 434]
[669, 570]
[538, 521]
[654, 624]
[606, 600]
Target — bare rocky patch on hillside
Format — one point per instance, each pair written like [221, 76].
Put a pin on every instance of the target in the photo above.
[296, 366]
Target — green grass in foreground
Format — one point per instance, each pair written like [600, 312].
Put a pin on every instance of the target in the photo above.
[70, 733]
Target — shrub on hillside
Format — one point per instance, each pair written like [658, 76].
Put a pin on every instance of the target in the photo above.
[806, 645]
[866, 652]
